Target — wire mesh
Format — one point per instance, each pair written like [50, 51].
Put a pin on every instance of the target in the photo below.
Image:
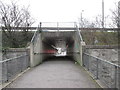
[107, 72]
[12, 67]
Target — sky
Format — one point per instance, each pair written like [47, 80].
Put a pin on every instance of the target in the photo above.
[65, 10]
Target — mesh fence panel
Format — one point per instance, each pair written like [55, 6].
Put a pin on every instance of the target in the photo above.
[14, 66]
[106, 72]
[93, 65]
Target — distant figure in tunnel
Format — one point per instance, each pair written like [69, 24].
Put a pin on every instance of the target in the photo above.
[59, 50]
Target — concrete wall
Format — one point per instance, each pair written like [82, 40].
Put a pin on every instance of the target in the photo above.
[77, 49]
[14, 52]
[36, 48]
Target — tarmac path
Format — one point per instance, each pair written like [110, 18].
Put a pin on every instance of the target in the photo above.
[57, 73]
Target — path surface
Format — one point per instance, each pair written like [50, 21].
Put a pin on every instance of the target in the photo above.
[57, 73]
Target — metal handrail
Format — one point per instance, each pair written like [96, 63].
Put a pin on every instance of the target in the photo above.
[6, 60]
[35, 34]
[79, 33]
[58, 24]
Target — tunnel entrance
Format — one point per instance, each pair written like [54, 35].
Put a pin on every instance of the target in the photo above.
[58, 43]
[55, 43]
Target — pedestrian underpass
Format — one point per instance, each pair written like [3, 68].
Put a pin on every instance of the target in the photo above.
[56, 60]
[58, 43]
[57, 72]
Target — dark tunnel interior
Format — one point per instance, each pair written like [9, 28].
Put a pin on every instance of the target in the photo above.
[58, 45]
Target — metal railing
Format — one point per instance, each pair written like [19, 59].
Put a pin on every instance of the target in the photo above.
[78, 32]
[35, 34]
[13, 66]
[108, 73]
[59, 24]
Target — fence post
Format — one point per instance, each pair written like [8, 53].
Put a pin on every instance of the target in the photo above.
[58, 26]
[115, 82]
[21, 65]
[7, 70]
[97, 70]
[83, 59]
[40, 27]
[88, 59]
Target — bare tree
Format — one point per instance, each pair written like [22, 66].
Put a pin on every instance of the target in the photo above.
[11, 15]
[115, 17]
[92, 35]
[97, 23]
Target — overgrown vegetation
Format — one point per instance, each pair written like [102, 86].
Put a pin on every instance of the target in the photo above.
[90, 38]
[22, 39]
[100, 38]
[12, 15]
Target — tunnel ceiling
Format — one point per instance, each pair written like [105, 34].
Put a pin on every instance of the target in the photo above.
[52, 37]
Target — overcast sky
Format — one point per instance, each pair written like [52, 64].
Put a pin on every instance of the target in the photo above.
[65, 10]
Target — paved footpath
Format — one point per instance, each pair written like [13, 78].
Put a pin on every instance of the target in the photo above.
[55, 74]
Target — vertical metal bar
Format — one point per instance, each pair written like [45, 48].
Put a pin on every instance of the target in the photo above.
[40, 27]
[75, 24]
[25, 58]
[118, 78]
[97, 70]
[88, 62]
[83, 60]
[28, 61]
[7, 70]
[115, 82]
[58, 26]
[21, 64]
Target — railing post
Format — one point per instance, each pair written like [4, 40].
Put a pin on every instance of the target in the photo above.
[75, 24]
[115, 82]
[21, 65]
[97, 69]
[7, 70]
[40, 27]
[83, 59]
[58, 26]
[88, 62]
